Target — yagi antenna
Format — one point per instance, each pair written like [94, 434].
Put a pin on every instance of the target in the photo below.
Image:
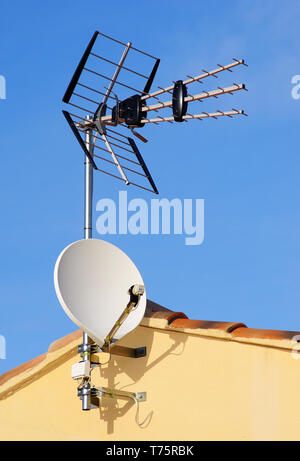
[115, 91]
[98, 285]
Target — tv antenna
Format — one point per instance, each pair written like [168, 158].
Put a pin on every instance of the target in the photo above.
[98, 286]
[103, 84]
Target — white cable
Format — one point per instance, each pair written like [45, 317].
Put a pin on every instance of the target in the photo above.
[140, 424]
[147, 418]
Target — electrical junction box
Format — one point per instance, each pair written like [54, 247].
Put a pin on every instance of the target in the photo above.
[81, 369]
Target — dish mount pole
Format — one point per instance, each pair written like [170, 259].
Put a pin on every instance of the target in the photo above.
[88, 213]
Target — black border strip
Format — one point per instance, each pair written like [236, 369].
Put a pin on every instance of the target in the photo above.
[143, 164]
[78, 137]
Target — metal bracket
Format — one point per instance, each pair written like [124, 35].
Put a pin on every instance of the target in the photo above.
[88, 393]
[115, 393]
[134, 353]
[123, 351]
[94, 393]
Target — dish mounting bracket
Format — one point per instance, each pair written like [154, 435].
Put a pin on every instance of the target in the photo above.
[94, 393]
[82, 370]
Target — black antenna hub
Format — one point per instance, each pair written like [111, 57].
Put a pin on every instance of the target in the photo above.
[129, 111]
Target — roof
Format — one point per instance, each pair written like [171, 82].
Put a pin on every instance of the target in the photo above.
[156, 316]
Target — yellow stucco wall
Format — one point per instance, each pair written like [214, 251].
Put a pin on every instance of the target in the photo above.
[198, 387]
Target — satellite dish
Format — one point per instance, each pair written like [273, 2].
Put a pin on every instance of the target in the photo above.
[92, 279]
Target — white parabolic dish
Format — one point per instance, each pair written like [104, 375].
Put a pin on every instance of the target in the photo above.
[92, 278]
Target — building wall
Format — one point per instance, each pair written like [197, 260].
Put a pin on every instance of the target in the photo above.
[198, 388]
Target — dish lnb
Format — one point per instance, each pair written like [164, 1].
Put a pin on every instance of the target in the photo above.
[138, 290]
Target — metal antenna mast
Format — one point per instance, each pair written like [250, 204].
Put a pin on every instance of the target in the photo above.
[88, 186]
[88, 231]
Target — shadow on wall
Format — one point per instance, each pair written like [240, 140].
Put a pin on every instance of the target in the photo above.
[112, 408]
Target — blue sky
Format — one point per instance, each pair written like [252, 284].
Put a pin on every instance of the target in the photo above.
[246, 169]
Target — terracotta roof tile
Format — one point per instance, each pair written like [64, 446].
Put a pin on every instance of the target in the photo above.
[175, 316]
[263, 334]
[205, 324]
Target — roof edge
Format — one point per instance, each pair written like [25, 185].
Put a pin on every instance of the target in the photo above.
[157, 317]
